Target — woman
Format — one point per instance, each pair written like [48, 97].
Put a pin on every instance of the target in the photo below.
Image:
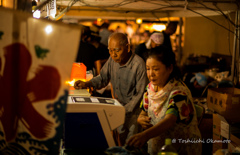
[156, 39]
[167, 108]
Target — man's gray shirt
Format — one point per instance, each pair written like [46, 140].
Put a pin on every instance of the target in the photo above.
[128, 81]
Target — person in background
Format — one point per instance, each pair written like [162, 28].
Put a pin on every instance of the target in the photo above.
[127, 73]
[87, 53]
[170, 30]
[104, 33]
[102, 49]
[146, 35]
[103, 53]
[129, 31]
[167, 108]
[119, 29]
[156, 39]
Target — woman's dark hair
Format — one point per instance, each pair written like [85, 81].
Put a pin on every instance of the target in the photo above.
[167, 57]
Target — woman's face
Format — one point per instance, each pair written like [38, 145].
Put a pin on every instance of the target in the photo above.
[157, 72]
[153, 44]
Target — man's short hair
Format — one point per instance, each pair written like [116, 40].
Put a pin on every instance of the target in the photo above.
[123, 39]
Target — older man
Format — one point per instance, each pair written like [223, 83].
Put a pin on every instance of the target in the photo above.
[127, 73]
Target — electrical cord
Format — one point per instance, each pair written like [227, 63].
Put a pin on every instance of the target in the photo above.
[61, 14]
[215, 4]
[211, 20]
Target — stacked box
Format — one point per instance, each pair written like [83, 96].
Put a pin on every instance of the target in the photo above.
[226, 102]
[219, 141]
[235, 139]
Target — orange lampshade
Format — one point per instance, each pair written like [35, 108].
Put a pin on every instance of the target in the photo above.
[78, 71]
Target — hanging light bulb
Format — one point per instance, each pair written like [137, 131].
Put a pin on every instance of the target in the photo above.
[159, 27]
[139, 21]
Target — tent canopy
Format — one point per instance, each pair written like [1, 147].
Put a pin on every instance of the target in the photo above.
[145, 9]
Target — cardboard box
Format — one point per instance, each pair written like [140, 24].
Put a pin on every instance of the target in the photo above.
[226, 102]
[218, 123]
[233, 147]
[219, 142]
[221, 126]
[225, 134]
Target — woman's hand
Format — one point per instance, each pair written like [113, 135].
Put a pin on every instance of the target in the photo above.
[137, 140]
[144, 120]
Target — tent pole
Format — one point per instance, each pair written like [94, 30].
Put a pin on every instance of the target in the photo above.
[234, 48]
[238, 51]
[179, 57]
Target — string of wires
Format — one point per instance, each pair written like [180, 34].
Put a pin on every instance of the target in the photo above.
[221, 13]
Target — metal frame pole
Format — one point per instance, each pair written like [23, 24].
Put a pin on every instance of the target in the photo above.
[180, 42]
[238, 51]
[234, 49]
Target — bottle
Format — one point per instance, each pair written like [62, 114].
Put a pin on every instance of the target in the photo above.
[168, 149]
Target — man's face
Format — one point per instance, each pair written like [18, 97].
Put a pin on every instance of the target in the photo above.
[118, 52]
